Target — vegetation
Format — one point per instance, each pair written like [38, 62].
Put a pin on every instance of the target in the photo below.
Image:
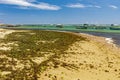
[21, 62]
[59, 26]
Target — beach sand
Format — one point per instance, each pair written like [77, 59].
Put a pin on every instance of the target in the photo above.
[94, 59]
[4, 32]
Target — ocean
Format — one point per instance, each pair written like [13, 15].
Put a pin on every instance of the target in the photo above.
[114, 36]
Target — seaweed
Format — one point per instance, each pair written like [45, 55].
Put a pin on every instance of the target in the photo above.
[39, 44]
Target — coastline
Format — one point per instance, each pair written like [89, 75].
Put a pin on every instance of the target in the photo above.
[90, 58]
[105, 42]
[102, 39]
[108, 42]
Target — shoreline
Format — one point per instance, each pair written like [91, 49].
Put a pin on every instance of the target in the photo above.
[109, 42]
[100, 41]
[106, 40]
[91, 56]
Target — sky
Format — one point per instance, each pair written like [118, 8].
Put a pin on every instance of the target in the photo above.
[60, 11]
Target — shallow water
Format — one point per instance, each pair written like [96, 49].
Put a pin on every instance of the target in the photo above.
[114, 36]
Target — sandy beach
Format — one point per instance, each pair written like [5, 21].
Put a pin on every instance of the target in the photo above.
[95, 59]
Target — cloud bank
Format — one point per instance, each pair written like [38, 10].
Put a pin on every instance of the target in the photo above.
[79, 5]
[30, 4]
[34, 4]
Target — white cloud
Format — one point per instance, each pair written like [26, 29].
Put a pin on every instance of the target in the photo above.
[29, 3]
[94, 6]
[97, 6]
[79, 5]
[45, 6]
[113, 6]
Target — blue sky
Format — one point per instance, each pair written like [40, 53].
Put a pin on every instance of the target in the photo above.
[60, 11]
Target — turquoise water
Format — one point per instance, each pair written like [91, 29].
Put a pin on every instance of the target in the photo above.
[68, 28]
